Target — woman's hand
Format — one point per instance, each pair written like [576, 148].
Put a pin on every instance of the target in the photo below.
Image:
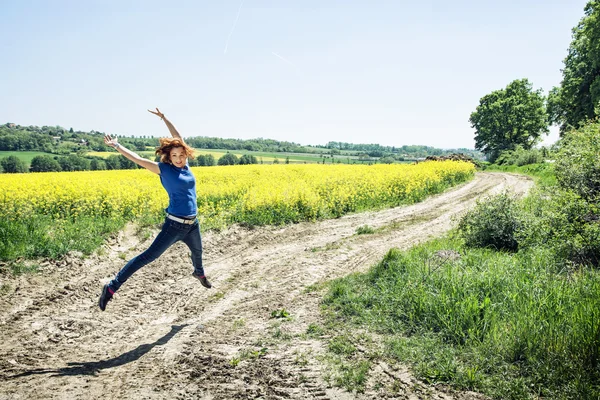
[114, 143]
[157, 112]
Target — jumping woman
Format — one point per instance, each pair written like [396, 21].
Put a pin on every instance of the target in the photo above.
[180, 222]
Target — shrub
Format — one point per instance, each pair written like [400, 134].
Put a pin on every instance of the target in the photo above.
[13, 165]
[492, 223]
[44, 163]
[206, 160]
[228, 159]
[578, 164]
[563, 222]
[249, 159]
[520, 157]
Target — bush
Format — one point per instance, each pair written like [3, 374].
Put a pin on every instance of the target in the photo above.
[249, 159]
[228, 159]
[520, 157]
[563, 222]
[74, 163]
[13, 165]
[206, 160]
[492, 223]
[97, 165]
[578, 164]
[44, 163]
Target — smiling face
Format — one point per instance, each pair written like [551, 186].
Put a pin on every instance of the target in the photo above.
[178, 157]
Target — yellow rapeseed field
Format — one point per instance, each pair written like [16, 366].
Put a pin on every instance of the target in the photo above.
[50, 214]
[252, 194]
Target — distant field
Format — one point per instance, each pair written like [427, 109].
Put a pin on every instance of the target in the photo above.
[295, 158]
[26, 156]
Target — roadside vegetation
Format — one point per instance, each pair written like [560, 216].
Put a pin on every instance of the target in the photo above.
[508, 304]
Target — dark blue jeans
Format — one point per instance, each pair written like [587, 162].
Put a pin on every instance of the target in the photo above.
[172, 231]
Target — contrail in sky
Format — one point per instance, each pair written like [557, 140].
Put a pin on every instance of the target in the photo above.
[284, 59]
[233, 27]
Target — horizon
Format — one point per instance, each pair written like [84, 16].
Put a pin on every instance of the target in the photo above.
[393, 74]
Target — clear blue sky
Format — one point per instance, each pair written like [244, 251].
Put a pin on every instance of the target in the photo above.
[310, 71]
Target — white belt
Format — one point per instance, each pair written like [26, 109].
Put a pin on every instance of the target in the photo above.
[181, 220]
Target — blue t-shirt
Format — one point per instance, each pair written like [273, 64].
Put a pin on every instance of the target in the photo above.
[180, 185]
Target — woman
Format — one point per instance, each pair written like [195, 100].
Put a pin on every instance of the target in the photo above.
[181, 222]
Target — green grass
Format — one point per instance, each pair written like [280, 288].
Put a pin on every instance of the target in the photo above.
[542, 173]
[26, 156]
[364, 230]
[507, 325]
[41, 236]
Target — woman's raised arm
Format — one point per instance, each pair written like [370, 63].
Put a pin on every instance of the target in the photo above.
[171, 127]
[151, 166]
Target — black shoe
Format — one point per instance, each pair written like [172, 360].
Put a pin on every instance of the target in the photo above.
[202, 280]
[105, 297]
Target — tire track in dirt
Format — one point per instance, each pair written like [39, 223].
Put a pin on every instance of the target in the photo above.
[165, 336]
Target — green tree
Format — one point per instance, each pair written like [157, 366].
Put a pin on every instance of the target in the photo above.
[126, 163]
[44, 163]
[113, 162]
[97, 165]
[509, 117]
[228, 159]
[13, 165]
[248, 159]
[74, 163]
[578, 98]
[206, 160]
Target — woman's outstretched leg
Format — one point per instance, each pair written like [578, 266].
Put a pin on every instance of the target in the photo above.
[169, 234]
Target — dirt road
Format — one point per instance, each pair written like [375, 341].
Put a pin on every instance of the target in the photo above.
[164, 336]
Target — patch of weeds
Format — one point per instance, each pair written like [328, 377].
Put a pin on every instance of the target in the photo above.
[21, 268]
[302, 379]
[300, 358]
[281, 314]
[315, 331]
[353, 375]
[341, 345]
[234, 361]
[327, 247]
[122, 256]
[249, 354]
[4, 289]
[315, 287]
[239, 323]
[279, 334]
[216, 297]
[364, 230]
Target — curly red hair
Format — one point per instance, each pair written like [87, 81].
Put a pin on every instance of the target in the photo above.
[168, 144]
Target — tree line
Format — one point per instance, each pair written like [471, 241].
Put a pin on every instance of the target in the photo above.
[74, 162]
[62, 141]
